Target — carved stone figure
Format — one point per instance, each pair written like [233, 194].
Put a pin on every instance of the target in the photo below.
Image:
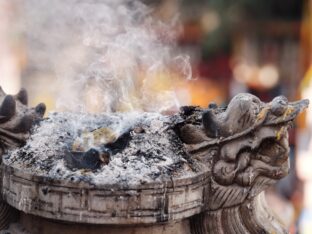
[16, 120]
[245, 146]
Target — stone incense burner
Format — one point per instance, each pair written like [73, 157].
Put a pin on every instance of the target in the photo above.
[199, 171]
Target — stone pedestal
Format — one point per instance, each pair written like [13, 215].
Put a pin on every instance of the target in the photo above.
[37, 225]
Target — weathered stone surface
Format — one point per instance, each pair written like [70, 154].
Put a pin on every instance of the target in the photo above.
[16, 121]
[246, 148]
[39, 225]
[84, 203]
[238, 152]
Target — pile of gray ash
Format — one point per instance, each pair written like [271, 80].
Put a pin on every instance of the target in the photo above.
[128, 148]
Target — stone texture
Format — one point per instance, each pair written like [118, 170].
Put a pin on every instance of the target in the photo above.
[16, 120]
[241, 150]
[44, 226]
[150, 203]
[246, 148]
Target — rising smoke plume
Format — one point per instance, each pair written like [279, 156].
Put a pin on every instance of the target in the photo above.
[108, 55]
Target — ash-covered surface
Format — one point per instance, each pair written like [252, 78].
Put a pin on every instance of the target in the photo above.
[153, 153]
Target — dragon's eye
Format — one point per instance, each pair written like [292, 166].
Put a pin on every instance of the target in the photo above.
[279, 105]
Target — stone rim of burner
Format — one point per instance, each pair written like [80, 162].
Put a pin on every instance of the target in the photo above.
[150, 203]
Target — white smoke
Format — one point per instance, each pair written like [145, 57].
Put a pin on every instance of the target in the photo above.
[108, 55]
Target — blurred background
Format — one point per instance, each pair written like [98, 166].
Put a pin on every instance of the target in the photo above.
[261, 47]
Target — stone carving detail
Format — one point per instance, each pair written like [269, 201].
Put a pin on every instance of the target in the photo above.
[235, 152]
[16, 121]
[246, 148]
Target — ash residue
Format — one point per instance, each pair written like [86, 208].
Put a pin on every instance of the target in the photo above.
[154, 151]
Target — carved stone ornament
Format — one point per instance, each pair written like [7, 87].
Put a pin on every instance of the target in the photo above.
[232, 155]
[245, 146]
[16, 120]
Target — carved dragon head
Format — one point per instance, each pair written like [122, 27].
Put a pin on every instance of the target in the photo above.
[16, 119]
[244, 146]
